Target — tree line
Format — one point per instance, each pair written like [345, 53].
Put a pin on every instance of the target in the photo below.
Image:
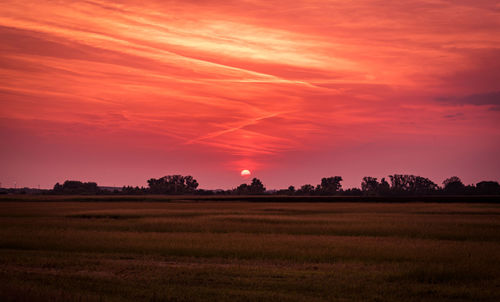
[395, 185]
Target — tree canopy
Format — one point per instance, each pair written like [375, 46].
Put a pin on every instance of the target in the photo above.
[400, 185]
[173, 184]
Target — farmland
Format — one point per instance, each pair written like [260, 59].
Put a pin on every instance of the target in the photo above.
[248, 251]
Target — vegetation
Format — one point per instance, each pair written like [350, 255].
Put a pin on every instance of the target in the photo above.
[76, 187]
[401, 185]
[173, 184]
[255, 188]
[227, 251]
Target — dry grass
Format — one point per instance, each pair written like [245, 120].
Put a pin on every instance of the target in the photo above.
[139, 251]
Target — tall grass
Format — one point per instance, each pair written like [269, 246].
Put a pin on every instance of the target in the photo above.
[249, 251]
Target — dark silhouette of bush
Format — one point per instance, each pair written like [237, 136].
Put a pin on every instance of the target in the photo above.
[370, 185]
[453, 186]
[242, 189]
[401, 185]
[129, 190]
[488, 188]
[329, 185]
[352, 192]
[307, 189]
[411, 185]
[173, 184]
[72, 187]
[256, 187]
[384, 188]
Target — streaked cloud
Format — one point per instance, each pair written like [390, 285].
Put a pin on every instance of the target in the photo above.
[251, 82]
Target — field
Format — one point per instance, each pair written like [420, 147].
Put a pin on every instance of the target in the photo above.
[242, 251]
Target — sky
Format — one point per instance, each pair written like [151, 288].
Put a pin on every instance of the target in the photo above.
[118, 92]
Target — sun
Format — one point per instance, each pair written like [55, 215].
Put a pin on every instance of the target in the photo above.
[245, 172]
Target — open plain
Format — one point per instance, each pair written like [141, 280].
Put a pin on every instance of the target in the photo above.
[243, 251]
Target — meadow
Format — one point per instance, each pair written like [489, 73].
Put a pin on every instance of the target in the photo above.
[248, 251]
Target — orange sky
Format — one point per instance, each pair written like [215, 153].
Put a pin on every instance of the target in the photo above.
[121, 91]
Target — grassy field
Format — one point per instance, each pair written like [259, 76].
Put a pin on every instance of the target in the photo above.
[237, 251]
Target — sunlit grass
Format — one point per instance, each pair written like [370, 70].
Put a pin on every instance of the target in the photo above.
[249, 251]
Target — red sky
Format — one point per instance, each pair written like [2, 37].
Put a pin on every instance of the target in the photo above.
[292, 90]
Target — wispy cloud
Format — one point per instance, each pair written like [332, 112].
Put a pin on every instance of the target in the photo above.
[250, 81]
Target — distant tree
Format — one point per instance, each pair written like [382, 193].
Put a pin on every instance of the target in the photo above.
[190, 184]
[453, 185]
[470, 190]
[369, 185]
[173, 184]
[400, 183]
[72, 187]
[488, 188]
[242, 189]
[57, 188]
[384, 188]
[307, 189]
[282, 192]
[352, 192]
[424, 186]
[411, 184]
[330, 185]
[129, 190]
[289, 191]
[256, 187]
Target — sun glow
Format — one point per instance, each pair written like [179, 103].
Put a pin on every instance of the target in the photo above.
[245, 173]
[211, 87]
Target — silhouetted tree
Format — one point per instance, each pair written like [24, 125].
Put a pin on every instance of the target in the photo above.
[488, 188]
[76, 187]
[256, 187]
[400, 183]
[352, 192]
[306, 190]
[453, 185]
[129, 190]
[369, 185]
[289, 191]
[190, 184]
[470, 190]
[411, 184]
[424, 186]
[329, 185]
[242, 189]
[384, 188]
[173, 184]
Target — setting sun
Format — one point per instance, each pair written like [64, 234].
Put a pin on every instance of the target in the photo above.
[245, 172]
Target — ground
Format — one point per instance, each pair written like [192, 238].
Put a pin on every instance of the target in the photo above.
[241, 251]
